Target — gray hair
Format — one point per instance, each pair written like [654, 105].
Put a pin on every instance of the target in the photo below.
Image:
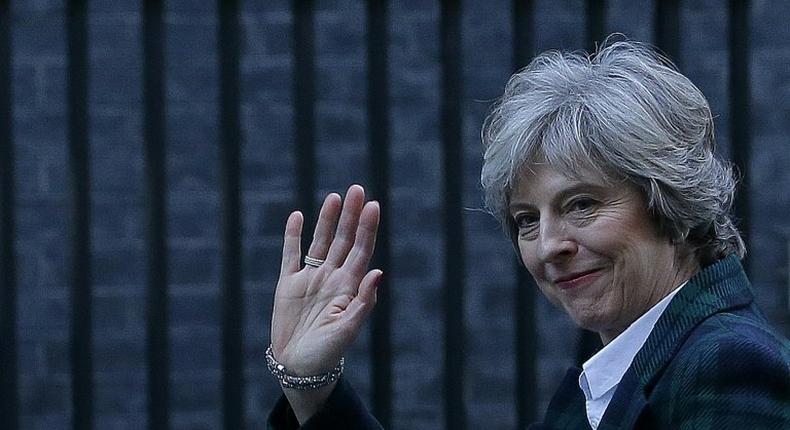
[626, 113]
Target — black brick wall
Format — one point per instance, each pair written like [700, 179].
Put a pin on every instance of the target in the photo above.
[269, 193]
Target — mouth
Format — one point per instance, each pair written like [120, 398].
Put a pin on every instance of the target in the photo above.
[579, 279]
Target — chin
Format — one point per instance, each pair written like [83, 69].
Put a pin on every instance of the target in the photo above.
[589, 321]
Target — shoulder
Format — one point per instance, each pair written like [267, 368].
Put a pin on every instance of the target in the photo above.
[731, 350]
[731, 370]
[734, 338]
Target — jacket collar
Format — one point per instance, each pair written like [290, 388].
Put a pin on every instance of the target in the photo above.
[721, 286]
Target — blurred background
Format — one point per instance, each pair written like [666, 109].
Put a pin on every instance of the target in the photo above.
[151, 151]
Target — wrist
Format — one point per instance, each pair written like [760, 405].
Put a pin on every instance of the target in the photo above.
[306, 394]
[289, 379]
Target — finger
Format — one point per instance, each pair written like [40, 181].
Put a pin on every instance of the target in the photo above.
[365, 242]
[361, 306]
[292, 252]
[346, 226]
[325, 228]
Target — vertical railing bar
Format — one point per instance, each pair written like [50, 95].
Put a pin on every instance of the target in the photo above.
[595, 23]
[378, 103]
[527, 338]
[454, 264]
[595, 29]
[156, 180]
[527, 335]
[667, 28]
[230, 144]
[79, 163]
[740, 109]
[9, 397]
[304, 111]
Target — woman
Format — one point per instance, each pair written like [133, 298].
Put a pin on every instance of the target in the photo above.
[602, 171]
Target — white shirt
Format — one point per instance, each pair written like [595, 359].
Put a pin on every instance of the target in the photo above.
[604, 370]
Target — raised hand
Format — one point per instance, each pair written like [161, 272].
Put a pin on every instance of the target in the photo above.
[318, 311]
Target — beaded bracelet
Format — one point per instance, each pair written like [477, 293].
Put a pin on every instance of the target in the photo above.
[302, 382]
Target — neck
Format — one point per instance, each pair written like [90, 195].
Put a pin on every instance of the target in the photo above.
[682, 272]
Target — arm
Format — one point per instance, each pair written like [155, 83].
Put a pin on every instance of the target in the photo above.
[343, 409]
[318, 311]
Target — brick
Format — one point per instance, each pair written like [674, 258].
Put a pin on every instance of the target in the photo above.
[117, 223]
[269, 220]
[279, 6]
[116, 82]
[342, 81]
[119, 354]
[120, 421]
[40, 222]
[33, 45]
[414, 37]
[24, 86]
[267, 34]
[38, 312]
[413, 87]
[194, 217]
[194, 353]
[118, 266]
[338, 124]
[41, 397]
[634, 19]
[768, 29]
[187, 8]
[111, 313]
[199, 420]
[198, 309]
[560, 25]
[266, 82]
[194, 265]
[120, 7]
[345, 166]
[340, 33]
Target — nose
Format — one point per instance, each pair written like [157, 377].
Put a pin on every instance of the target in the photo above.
[554, 244]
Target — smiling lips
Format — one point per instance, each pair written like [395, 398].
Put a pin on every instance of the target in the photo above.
[577, 280]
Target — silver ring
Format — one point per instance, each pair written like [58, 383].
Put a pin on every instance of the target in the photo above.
[311, 261]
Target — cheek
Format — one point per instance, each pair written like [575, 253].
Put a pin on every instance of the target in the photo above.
[550, 294]
[528, 257]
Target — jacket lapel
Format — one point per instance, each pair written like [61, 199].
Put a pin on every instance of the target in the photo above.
[720, 286]
[567, 408]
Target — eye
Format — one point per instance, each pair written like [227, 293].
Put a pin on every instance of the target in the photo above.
[526, 221]
[581, 204]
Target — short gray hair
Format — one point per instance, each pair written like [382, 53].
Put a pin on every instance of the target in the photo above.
[627, 113]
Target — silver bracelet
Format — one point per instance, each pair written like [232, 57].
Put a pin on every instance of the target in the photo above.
[302, 382]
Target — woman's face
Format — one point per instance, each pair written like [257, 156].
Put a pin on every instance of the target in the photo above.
[592, 248]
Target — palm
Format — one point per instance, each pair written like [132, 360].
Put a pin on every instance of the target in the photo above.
[318, 311]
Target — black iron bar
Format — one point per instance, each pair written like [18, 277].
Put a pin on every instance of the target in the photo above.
[154, 100]
[230, 154]
[9, 396]
[378, 104]
[454, 265]
[79, 166]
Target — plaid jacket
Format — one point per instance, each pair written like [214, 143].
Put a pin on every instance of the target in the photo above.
[711, 362]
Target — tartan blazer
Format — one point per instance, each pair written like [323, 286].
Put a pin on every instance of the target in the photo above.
[711, 362]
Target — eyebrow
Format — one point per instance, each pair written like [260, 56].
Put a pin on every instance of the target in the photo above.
[577, 188]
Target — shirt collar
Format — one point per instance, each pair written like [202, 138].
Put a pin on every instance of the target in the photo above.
[604, 370]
